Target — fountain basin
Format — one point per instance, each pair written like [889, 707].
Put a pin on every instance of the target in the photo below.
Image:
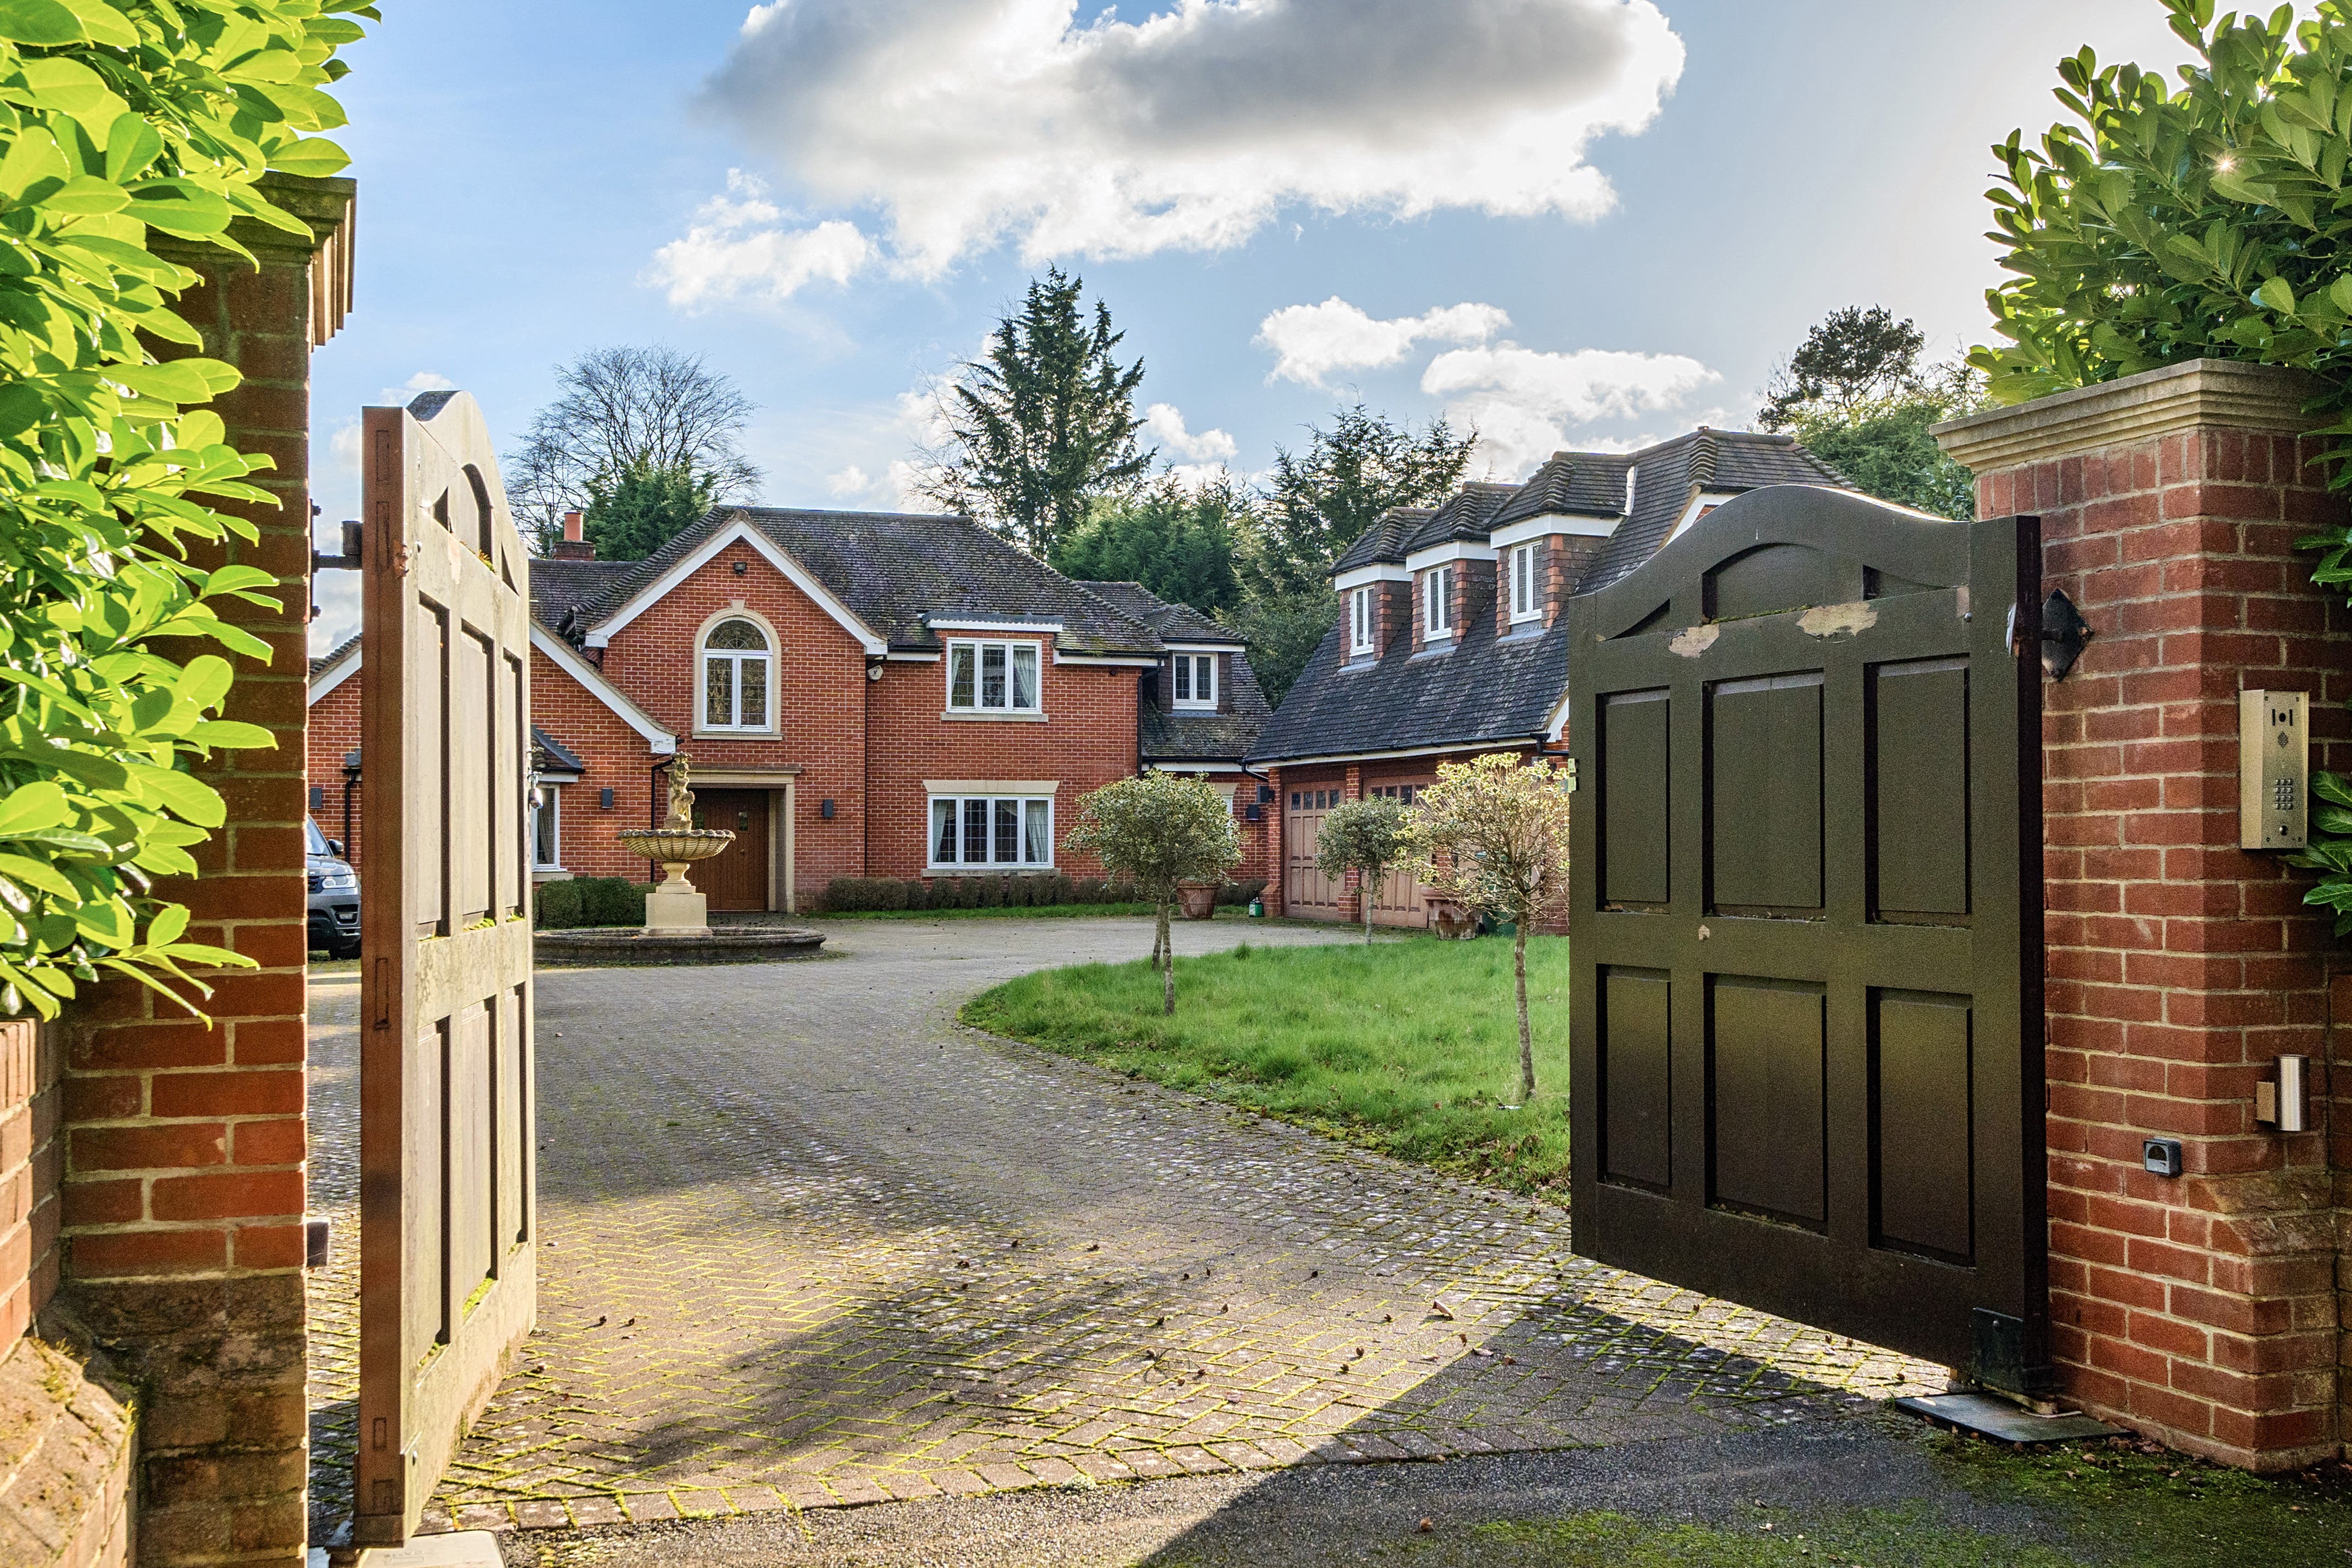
[674, 846]
[616, 946]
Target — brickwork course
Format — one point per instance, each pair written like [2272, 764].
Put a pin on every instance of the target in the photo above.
[183, 1141]
[788, 1261]
[2204, 1310]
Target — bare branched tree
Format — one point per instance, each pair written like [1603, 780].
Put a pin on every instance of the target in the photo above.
[629, 409]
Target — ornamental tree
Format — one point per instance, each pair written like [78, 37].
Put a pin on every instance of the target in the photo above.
[1493, 834]
[1362, 836]
[2212, 219]
[117, 122]
[1160, 831]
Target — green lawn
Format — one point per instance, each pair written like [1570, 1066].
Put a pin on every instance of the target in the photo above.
[1410, 1047]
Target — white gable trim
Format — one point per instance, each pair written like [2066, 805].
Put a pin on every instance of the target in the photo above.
[1421, 560]
[600, 634]
[1365, 576]
[1703, 501]
[1550, 523]
[566, 658]
[336, 674]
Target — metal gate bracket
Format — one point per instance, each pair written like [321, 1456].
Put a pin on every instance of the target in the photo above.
[2063, 634]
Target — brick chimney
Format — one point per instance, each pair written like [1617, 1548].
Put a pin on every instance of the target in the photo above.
[573, 546]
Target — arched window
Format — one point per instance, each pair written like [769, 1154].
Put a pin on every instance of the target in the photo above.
[735, 677]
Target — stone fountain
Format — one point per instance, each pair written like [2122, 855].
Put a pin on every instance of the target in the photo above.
[678, 928]
[673, 905]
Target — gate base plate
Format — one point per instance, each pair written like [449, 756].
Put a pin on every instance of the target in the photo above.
[1993, 1418]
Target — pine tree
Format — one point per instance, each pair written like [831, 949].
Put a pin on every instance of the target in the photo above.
[1043, 426]
[1176, 541]
[633, 515]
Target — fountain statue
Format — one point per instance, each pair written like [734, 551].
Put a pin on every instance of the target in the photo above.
[674, 905]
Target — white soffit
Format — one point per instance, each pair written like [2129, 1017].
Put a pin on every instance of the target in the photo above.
[1440, 555]
[1530, 530]
[1365, 576]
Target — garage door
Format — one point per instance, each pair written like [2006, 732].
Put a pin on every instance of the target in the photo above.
[1305, 891]
[1397, 900]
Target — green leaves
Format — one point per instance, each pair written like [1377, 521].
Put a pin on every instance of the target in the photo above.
[110, 466]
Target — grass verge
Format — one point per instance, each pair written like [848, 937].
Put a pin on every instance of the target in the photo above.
[1409, 1048]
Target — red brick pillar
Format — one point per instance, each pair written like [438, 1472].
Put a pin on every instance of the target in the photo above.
[2201, 1310]
[184, 1141]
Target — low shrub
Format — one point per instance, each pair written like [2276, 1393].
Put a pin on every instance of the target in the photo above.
[992, 892]
[554, 905]
[919, 894]
[1087, 890]
[611, 901]
[1236, 894]
[1121, 891]
[1064, 891]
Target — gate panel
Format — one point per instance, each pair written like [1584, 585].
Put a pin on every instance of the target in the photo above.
[1807, 1007]
[448, 1279]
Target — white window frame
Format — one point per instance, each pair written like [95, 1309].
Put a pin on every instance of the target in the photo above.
[977, 708]
[767, 661]
[1186, 690]
[1360, 623]
[1437, 603]
[1526, 604]
[960, 804]
[550, 810]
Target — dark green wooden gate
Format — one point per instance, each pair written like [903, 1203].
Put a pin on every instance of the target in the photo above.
[1806, 928]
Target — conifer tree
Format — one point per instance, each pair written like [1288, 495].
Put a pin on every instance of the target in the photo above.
[1043, 425]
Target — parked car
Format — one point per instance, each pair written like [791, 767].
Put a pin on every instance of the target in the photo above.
[334, 896]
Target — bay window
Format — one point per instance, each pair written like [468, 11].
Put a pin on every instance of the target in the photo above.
[993, 677]
[1012, 831]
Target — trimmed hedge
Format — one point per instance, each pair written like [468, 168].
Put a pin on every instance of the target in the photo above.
[588, 901]
[887, 895]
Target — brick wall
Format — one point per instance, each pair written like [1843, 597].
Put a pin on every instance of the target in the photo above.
[29, 1175]
[618, 758]
[183, 1201]
[334, 734]
[2202, 1310]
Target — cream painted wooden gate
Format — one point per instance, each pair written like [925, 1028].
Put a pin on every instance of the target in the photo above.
[448, 1278]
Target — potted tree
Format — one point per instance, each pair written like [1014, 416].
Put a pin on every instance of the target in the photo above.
[1158, 831]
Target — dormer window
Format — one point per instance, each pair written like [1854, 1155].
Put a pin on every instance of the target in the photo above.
[988, 677]
[1525, 605]
[1196, 680]
[1437, 600]
[736, 659]
[1362, 606]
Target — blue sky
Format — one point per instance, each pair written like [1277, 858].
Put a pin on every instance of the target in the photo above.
[1571, 221]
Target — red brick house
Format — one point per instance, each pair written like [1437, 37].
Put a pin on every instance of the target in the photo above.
[862, 694]
[1453, 637]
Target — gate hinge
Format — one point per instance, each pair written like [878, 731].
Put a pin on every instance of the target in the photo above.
[347, 561]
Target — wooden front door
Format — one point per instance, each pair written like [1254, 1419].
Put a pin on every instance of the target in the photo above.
[448, 1270]
[1305, 891]
[1807, 1012]
[735, 880]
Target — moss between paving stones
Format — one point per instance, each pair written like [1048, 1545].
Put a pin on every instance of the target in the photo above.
[1410, 1048]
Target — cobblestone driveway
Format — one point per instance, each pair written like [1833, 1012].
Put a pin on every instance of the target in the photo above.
[807, 1241]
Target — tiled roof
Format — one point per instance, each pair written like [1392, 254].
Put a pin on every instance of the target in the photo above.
[1174, 622]
[324, 659]
[561, 589]
[895, 571]
[1488, 689]
[560, 758]
[1209, 736]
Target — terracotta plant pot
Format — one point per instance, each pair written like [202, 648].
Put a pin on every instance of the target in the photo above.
[1199, 899]
[1449, 919]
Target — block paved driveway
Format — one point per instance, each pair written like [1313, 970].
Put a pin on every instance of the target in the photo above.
[807, 1241]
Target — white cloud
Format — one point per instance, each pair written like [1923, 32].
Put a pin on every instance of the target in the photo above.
[744, 243]
[402, 395]
[1163, 424]
[851, 481]
[967, 123]
[1311, 342]
[1524, 400]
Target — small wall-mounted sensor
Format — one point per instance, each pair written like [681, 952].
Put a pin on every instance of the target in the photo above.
[2273, 770]
[318, 797]
[2283, 1104]
[2161, 1156]
[605, 797]
[825, 811]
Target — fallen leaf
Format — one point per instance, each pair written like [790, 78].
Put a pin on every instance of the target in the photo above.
[1426, 1526]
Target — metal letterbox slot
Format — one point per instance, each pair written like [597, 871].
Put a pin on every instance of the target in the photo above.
[2273, 770]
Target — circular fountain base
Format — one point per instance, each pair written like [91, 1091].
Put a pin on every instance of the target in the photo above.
[613, 946]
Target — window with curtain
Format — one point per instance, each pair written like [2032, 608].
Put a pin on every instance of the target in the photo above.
[993, 677]
[547, 829]
[1008, 831]
[736, 659]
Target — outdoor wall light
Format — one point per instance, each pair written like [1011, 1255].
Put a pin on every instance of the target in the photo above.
[740, 568]
[605, 797]
[825, 811]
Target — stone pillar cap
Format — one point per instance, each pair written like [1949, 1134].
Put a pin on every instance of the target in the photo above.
[2228, 394]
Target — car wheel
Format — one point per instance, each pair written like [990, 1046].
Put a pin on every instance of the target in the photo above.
[344, 949]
